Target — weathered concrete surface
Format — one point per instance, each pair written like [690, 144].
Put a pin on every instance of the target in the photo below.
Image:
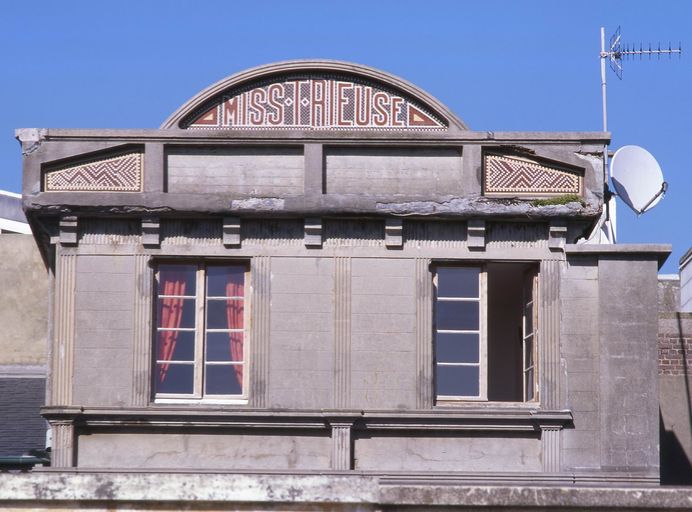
[252, 171]
[628, 366]
[221, 451]
[24, 303]
[266, 491]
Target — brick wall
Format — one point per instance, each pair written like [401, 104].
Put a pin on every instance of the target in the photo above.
[674, 353]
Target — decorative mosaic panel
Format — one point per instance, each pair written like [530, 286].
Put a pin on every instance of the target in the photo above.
[324, 102]
[119, 173]
[513, 175]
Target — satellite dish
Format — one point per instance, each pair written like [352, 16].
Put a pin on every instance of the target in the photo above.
[637, 178]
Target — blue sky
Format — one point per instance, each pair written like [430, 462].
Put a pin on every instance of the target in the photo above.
[500, 65]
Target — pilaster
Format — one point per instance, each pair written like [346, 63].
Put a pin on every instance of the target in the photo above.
[550, 447]
[141, 362]
[342, 332]
[424, 363]
[341, 445]
[64, 316]
[261, 298]
[62, 450]
[549, 333]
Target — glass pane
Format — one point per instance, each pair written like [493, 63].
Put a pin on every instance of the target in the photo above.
[176, 313]
[225, 346]
[457, 380]
[175, 346]
[528, 352]
[457, 281]
[456, 348]
[225, 281]
[224, 379]
[177, 280]
[174, 378]
[457, 315]
[225, 314]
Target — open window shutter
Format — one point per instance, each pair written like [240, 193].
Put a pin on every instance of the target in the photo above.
[529, 334]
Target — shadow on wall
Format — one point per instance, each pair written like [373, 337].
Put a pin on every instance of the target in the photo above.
[676, 468]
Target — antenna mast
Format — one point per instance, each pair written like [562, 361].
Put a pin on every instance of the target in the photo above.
[614, 55]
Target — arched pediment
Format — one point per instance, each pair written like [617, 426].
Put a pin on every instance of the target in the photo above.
[314, 95]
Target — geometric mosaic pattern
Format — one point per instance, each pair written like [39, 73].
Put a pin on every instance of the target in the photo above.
[322, 101]
[505, 174]
[120, 173]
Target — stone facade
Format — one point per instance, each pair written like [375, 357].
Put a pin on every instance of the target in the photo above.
[349, 245]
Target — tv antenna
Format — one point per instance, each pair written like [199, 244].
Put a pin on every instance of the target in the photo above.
[604, 232]
[615, 55]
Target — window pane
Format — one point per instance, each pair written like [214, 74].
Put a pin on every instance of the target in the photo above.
[175, 346]
[176, 313]
[457, 281]
[225, 346]
[456, 348]
[457, 315]
[457, 380]
[177, 280]
[225, 281]
[224, 379]
[174, 378]
[225, 314]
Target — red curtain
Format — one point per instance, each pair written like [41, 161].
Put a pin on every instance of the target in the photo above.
[173, 283]
[235, 287]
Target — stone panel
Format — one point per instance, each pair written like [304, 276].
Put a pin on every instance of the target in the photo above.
[208, 451]
[104, 317]
[628, 369]
[383, 350]
[447, 453]
[267, 171]
[301, 353]
[579, 334]
[393, 171]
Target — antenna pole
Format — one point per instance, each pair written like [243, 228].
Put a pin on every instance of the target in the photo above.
[603, 56]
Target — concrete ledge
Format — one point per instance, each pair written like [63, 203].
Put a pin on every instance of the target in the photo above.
[453, 419]
[658, 251]
[334, 491]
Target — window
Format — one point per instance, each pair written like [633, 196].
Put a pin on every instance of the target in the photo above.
[484, 332]
[200, 331]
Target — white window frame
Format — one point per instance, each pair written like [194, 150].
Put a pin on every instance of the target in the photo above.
[201, 330]
[482, 396]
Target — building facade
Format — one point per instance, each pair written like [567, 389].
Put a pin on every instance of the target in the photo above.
[316, 268]
[23, 338]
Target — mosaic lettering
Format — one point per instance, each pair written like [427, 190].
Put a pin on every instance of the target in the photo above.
[309, 103]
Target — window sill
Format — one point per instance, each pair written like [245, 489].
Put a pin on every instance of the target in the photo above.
[204, 415]
[472, 416]
[485, 404]
[200, 402]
